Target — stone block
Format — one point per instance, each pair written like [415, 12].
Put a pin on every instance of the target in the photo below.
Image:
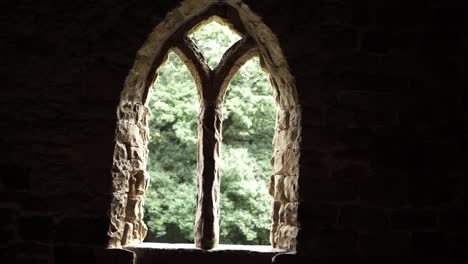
[286, 162]
[287, 138]
[290, 214]
[291, 188]
[285, 237]
[295, 117]
[279, 189]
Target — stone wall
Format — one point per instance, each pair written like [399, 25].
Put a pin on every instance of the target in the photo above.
[129, 177]
[284, 184]
[383, 142]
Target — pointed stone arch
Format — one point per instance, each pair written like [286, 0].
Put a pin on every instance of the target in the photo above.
[130, 155]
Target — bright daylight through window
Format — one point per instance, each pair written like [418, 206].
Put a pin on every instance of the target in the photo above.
[247, 132]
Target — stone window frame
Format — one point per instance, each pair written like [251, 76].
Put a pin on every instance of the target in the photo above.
[129, 177]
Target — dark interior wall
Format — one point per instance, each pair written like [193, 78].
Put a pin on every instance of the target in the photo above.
[384, 122]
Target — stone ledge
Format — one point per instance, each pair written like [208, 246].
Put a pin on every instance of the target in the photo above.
[223, 247]
[188, 253]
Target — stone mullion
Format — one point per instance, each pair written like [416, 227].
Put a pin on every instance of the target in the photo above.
[209, 137]
[209, 144]
[208, 180]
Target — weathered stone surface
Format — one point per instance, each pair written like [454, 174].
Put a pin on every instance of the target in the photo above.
[286, 236]
[132, 209]
[275, 219]
[129, 179]
[207, 217]
[286, 162]
[120, 152]
[290, 214]
[291, 188]
[127, 233]
[295, 117]
[282, 119]
[288, 138]
[279, 194]
[120, 181]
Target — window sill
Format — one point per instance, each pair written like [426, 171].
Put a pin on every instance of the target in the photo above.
[187, 253]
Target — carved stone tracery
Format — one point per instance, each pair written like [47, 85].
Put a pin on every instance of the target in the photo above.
[129, 177]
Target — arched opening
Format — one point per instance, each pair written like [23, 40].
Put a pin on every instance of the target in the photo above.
[249, 112]
[248, 127]
[130, 178]
[172, 160]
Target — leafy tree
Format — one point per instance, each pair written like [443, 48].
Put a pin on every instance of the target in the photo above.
[248, 127]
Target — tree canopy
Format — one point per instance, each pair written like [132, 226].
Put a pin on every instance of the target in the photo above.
[248, 127]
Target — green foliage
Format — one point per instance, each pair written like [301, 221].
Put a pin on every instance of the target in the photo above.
[170, 200]
[248, 126]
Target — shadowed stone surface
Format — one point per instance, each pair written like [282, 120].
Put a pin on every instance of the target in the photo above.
[383, 114]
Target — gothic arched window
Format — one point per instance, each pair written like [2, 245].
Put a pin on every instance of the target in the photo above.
[129, 177]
